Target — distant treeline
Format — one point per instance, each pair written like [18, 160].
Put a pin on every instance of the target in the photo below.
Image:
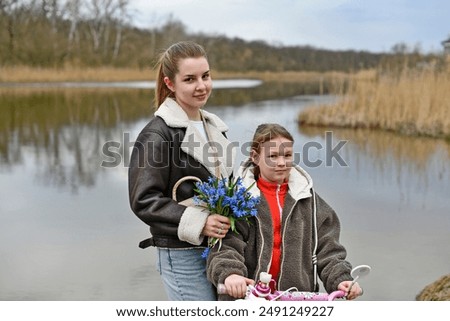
[94, 33]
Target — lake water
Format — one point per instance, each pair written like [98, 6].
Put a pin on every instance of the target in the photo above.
[67, 232]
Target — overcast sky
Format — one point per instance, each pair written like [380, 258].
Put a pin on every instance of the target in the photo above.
[373, 25]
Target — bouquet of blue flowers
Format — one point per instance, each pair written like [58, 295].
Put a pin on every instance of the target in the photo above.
[227, 197]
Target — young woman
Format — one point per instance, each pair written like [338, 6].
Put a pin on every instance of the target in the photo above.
[294, 237]
[180, 140]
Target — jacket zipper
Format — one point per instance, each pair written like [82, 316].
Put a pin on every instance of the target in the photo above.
[280, 209]
[262, 237]
[283, 243]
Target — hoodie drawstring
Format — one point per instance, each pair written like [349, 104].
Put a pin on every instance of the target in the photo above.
[316, 241]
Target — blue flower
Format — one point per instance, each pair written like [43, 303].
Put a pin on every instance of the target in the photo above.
[206, 252]
[226, 197]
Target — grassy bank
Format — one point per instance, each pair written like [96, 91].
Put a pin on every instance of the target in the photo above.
[413, 102]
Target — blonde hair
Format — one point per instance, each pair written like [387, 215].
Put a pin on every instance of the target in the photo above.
[167, 66]
[263, 134]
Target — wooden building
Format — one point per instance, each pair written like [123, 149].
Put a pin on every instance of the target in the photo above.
[446, 45]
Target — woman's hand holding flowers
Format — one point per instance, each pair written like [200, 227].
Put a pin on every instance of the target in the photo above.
[216, 226]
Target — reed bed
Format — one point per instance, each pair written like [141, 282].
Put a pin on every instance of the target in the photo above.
[412, 102]
[23, 74]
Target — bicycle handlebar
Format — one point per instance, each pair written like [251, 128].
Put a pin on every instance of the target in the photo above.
[265, 289]
[261, 292]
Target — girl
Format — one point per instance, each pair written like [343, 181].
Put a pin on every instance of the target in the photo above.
[174, 144]
[294, 237]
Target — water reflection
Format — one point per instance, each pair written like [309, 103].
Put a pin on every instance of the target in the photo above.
[61, 132]
[408, 162]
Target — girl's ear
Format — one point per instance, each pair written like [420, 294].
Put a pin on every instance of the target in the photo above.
[254, 156]
[169, 84]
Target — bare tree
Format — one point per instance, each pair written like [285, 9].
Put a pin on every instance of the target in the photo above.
[72, 8]
[99, 17]
[51, 11]
[121, 19]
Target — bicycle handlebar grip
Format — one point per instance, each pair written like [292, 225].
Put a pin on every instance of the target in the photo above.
[336, 295]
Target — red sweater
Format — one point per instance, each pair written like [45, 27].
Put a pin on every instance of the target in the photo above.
[274, 194]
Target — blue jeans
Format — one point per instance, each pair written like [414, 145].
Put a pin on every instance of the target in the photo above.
[183, 272]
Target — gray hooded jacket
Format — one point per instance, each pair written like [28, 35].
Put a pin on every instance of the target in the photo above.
[310, 241]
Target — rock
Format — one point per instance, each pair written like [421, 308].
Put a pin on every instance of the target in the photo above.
[436, 291]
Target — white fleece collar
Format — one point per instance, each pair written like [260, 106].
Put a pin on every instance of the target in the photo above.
[174, 116]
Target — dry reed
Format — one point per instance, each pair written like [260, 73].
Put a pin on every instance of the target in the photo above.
[414, 102]
[23, 74]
